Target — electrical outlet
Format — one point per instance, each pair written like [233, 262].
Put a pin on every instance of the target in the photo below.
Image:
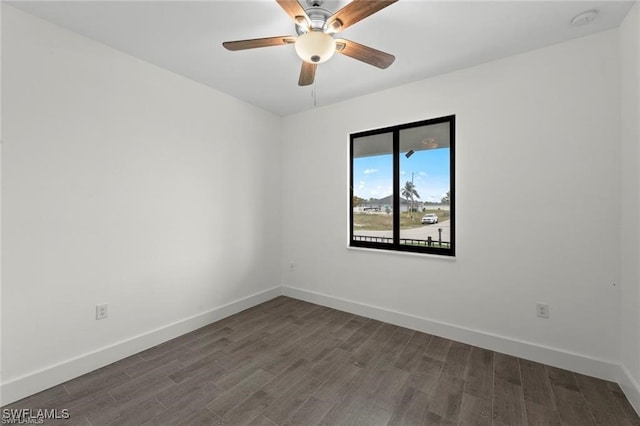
[102, 311]
[542, 310]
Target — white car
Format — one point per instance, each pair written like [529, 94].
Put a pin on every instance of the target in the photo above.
[430, 218]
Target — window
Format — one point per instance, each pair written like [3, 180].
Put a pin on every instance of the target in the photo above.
[402, 187]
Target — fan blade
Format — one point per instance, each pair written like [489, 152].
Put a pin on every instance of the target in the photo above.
[307, 73]
[294, 10]
[364, 53]
[355, 12]
[258, 42]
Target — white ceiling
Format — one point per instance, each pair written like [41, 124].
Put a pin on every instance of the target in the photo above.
[427, 37]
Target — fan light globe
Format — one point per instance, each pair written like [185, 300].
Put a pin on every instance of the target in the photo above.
[315, 47]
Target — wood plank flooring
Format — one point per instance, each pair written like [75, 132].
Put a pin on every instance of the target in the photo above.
[288, 362]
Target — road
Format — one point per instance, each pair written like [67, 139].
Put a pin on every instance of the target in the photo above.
[420, 233]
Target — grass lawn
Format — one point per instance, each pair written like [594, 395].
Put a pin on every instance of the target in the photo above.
[382, 221]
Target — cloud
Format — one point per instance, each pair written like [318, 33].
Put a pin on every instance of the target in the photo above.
[381, 191]
[370, 171]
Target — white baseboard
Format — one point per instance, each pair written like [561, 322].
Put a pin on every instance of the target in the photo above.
[53, 375]
[551, 356]
[630, 387]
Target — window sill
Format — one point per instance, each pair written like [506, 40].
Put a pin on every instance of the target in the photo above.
[402, 253]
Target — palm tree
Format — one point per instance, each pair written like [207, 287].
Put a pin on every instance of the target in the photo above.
[445, 199]
[408, 192]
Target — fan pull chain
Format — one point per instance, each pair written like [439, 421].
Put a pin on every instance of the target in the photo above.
[314, 95]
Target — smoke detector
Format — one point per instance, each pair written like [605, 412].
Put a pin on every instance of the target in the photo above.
[584, 18]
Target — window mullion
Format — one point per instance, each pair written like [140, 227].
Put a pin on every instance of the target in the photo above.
[396, 187]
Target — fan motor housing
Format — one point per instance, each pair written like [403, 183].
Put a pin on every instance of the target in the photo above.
[318, 18]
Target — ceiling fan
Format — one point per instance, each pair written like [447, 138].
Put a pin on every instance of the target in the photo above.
[315, 27]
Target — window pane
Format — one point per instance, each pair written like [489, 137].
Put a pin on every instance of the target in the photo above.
[425, 186]
[372, 182]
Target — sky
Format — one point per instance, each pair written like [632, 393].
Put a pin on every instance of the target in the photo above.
[373, 176]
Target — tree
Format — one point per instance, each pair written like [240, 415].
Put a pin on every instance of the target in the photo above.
[445, 199]
[408, 192]
[358, 201]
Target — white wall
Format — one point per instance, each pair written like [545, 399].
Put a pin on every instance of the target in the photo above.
[1, 374]
[537, 129]
[124, 184]
[630, 207]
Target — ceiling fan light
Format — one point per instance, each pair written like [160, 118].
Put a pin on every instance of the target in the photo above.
[315, 47]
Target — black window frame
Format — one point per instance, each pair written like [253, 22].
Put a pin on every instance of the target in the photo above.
[396, 245]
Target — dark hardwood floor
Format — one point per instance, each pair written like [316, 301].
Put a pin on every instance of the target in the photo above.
[292, 362]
